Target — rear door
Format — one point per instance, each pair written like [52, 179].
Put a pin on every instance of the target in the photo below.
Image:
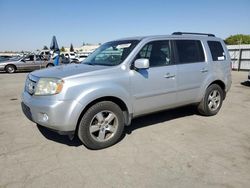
[28, 63]
[192, 69]
[39, 63]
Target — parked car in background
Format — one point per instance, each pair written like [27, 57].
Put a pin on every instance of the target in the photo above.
[70, 55]
[66, 60]
[81, 57]
[74, 60]
[44, 54]
[249, 77]
[29, 62]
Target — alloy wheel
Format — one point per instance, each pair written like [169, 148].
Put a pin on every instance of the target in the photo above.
[103, 126]
[214, 100]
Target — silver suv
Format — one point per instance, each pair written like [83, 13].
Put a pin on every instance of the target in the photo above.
[127, 78]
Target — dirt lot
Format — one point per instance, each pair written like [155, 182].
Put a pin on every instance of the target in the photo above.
[175, 148]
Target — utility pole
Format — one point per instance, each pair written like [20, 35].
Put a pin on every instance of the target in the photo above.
[240, 54]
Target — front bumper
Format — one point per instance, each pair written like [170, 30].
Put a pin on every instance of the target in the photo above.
[61, 116]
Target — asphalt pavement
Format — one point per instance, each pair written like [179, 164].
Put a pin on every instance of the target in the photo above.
[174, 148]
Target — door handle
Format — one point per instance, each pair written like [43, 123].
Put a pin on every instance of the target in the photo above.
[204, 70]
[168, 75]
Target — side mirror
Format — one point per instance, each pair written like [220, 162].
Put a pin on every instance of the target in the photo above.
[141, 63]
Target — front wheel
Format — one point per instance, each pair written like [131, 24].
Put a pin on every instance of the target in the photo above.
[212, 101]
[50, 65]
[10, 69]
[101, 126]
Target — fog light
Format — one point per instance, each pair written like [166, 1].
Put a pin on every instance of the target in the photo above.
[43, 117]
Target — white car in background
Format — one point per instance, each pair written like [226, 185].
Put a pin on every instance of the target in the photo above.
[45, 54]
[82, 57]
[70, 55]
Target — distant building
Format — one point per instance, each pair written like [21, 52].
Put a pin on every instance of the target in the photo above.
[86, 49]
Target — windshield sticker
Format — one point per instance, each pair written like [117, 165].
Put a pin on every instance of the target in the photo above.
[123, 45]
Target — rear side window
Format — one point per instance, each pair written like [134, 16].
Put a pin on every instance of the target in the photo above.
[189, 51]
[216, 50]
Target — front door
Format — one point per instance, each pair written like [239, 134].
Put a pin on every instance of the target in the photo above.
[28, 63]
[154, 88]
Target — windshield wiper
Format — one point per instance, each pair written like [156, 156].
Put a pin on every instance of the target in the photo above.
[102, 64]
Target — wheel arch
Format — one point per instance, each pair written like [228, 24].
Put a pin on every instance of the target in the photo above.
[116, 100]
[49, 65]
[222, 85]
[11, 65]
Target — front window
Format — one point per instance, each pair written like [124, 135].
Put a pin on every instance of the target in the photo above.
[157, 52]
[111, 53]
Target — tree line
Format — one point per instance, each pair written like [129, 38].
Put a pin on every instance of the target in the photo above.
[237, 39]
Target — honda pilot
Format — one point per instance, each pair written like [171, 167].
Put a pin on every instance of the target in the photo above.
[127, 78]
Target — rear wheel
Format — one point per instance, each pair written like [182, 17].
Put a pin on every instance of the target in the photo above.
[101, 126]
[10, 69]
[212, 101]
[50, 65]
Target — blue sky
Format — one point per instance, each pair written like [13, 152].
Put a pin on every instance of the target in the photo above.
[29, 25]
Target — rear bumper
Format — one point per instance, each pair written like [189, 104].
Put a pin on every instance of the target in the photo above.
[60, 116]
[2, 68]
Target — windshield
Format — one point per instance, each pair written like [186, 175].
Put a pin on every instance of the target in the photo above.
[111, 53]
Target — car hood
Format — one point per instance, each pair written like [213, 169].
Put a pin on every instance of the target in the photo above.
[64, 71]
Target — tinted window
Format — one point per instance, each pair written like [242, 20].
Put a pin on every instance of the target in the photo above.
[29, 58]
[216, 50]
[38, 58]
[189, 51]
[158, 53]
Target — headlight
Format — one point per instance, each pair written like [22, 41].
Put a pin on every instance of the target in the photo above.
[49, 86]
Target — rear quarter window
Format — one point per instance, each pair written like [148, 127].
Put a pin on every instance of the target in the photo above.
[216, 50]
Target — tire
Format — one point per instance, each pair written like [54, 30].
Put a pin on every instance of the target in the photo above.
[212, 101]
[10, 69]
[50, 65]
[101, 126]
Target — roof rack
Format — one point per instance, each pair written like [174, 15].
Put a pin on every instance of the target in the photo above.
[188, 33]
